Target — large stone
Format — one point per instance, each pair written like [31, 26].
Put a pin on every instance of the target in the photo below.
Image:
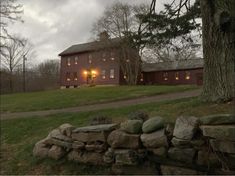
[218, 119]
[60, 143]
[173, 170]
[78, 145]
[223, 146]
[89, 136]
[185, 155]
[120, 139]
[66, 129]
[161, 152]
[125, 157]
[220, 132]
[56, 152]
[96, 128]
[155, 139]
[86, 157]
[181, 143]
[58, 135]
[96, 147]
[109, 156]
[207, 158]
[185, 127]
[41, 149]
[153, 124]
[132, 126]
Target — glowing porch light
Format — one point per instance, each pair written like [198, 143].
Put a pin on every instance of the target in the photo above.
[85, 72]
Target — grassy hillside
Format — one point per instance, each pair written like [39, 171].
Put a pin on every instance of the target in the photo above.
[56, 99]
[18, 136]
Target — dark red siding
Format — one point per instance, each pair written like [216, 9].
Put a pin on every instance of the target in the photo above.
[98, 63]
[158, 77]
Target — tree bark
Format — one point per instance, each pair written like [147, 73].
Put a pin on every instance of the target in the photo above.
[218, 49]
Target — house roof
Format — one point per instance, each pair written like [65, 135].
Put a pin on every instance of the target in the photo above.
[91, 46]
[173, 65]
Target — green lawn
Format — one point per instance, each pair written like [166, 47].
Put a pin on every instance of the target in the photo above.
[18, 136]
[56, 99]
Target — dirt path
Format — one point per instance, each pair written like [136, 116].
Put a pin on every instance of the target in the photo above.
[117, 104]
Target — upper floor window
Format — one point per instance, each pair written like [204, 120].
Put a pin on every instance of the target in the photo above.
[111, 73]
[165, 76]
[89, 58]
[76, 60]
[177, 76]
[187, 75]
[68, 61]
[103, 74]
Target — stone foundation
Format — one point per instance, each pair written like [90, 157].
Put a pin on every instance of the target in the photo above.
[193, 146]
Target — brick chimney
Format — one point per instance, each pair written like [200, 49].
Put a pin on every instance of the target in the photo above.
[104, 36]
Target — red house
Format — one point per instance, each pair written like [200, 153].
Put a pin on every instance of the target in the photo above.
[91, 63]
[99, 63]
[174, 73]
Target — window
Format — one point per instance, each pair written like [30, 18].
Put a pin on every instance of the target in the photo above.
[104, 59]
[68, 76]
[89, 58]
[177, 76]
[75, 76]
[165, 76]
[187, 75]
[68, 61]
[142, 77]
[103, 74]
[128, 60]
[112, 56]
[76, 60]
[111, 73]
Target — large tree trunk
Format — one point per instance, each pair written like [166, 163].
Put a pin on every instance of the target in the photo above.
[218, 49]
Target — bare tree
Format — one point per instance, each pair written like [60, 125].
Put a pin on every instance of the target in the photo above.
[121, 21]
[180, 50]
[14, 51]
[9, 12]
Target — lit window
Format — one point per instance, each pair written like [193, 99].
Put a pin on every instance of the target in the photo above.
[177, 76]
[75, 76]
[142, 77]
[104, 59]
[68, 76]
[76, 60]
[112, 58]
[90, 58]
[103, 74]
[165, 76]
[68, 61]
[187, 75]
[124, 76]
[127, 60]
[112, 73]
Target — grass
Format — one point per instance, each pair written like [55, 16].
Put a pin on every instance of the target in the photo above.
[56, 99]
[18, 136]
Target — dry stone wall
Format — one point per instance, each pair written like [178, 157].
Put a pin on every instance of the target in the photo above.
[192, 145]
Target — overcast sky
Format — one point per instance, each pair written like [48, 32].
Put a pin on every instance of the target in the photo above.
[54, 25]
